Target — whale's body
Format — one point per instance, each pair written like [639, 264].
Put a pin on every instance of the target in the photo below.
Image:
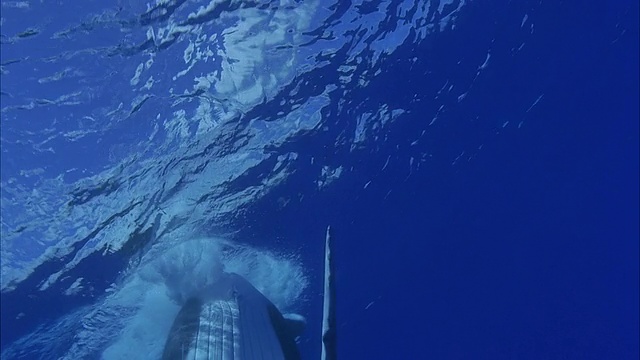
[231, 321]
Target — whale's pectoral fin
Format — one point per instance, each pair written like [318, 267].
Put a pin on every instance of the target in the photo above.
[329, 326]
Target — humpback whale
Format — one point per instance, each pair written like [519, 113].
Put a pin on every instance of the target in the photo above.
[232, 320]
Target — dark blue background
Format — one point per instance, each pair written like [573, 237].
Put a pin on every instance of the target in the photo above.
[530, 249]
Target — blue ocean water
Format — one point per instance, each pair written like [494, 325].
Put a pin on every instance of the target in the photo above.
[478, 162]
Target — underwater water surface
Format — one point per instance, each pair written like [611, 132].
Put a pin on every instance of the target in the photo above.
[478, 162]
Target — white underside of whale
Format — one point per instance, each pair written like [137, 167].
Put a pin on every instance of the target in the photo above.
[227, 334]
[233, 322]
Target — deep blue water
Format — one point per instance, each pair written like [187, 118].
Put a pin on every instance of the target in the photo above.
[530, 249]
[507, 229]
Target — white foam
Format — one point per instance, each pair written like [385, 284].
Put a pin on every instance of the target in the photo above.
[184, 271]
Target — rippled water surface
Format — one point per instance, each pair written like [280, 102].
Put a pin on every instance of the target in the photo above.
[148, 146]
